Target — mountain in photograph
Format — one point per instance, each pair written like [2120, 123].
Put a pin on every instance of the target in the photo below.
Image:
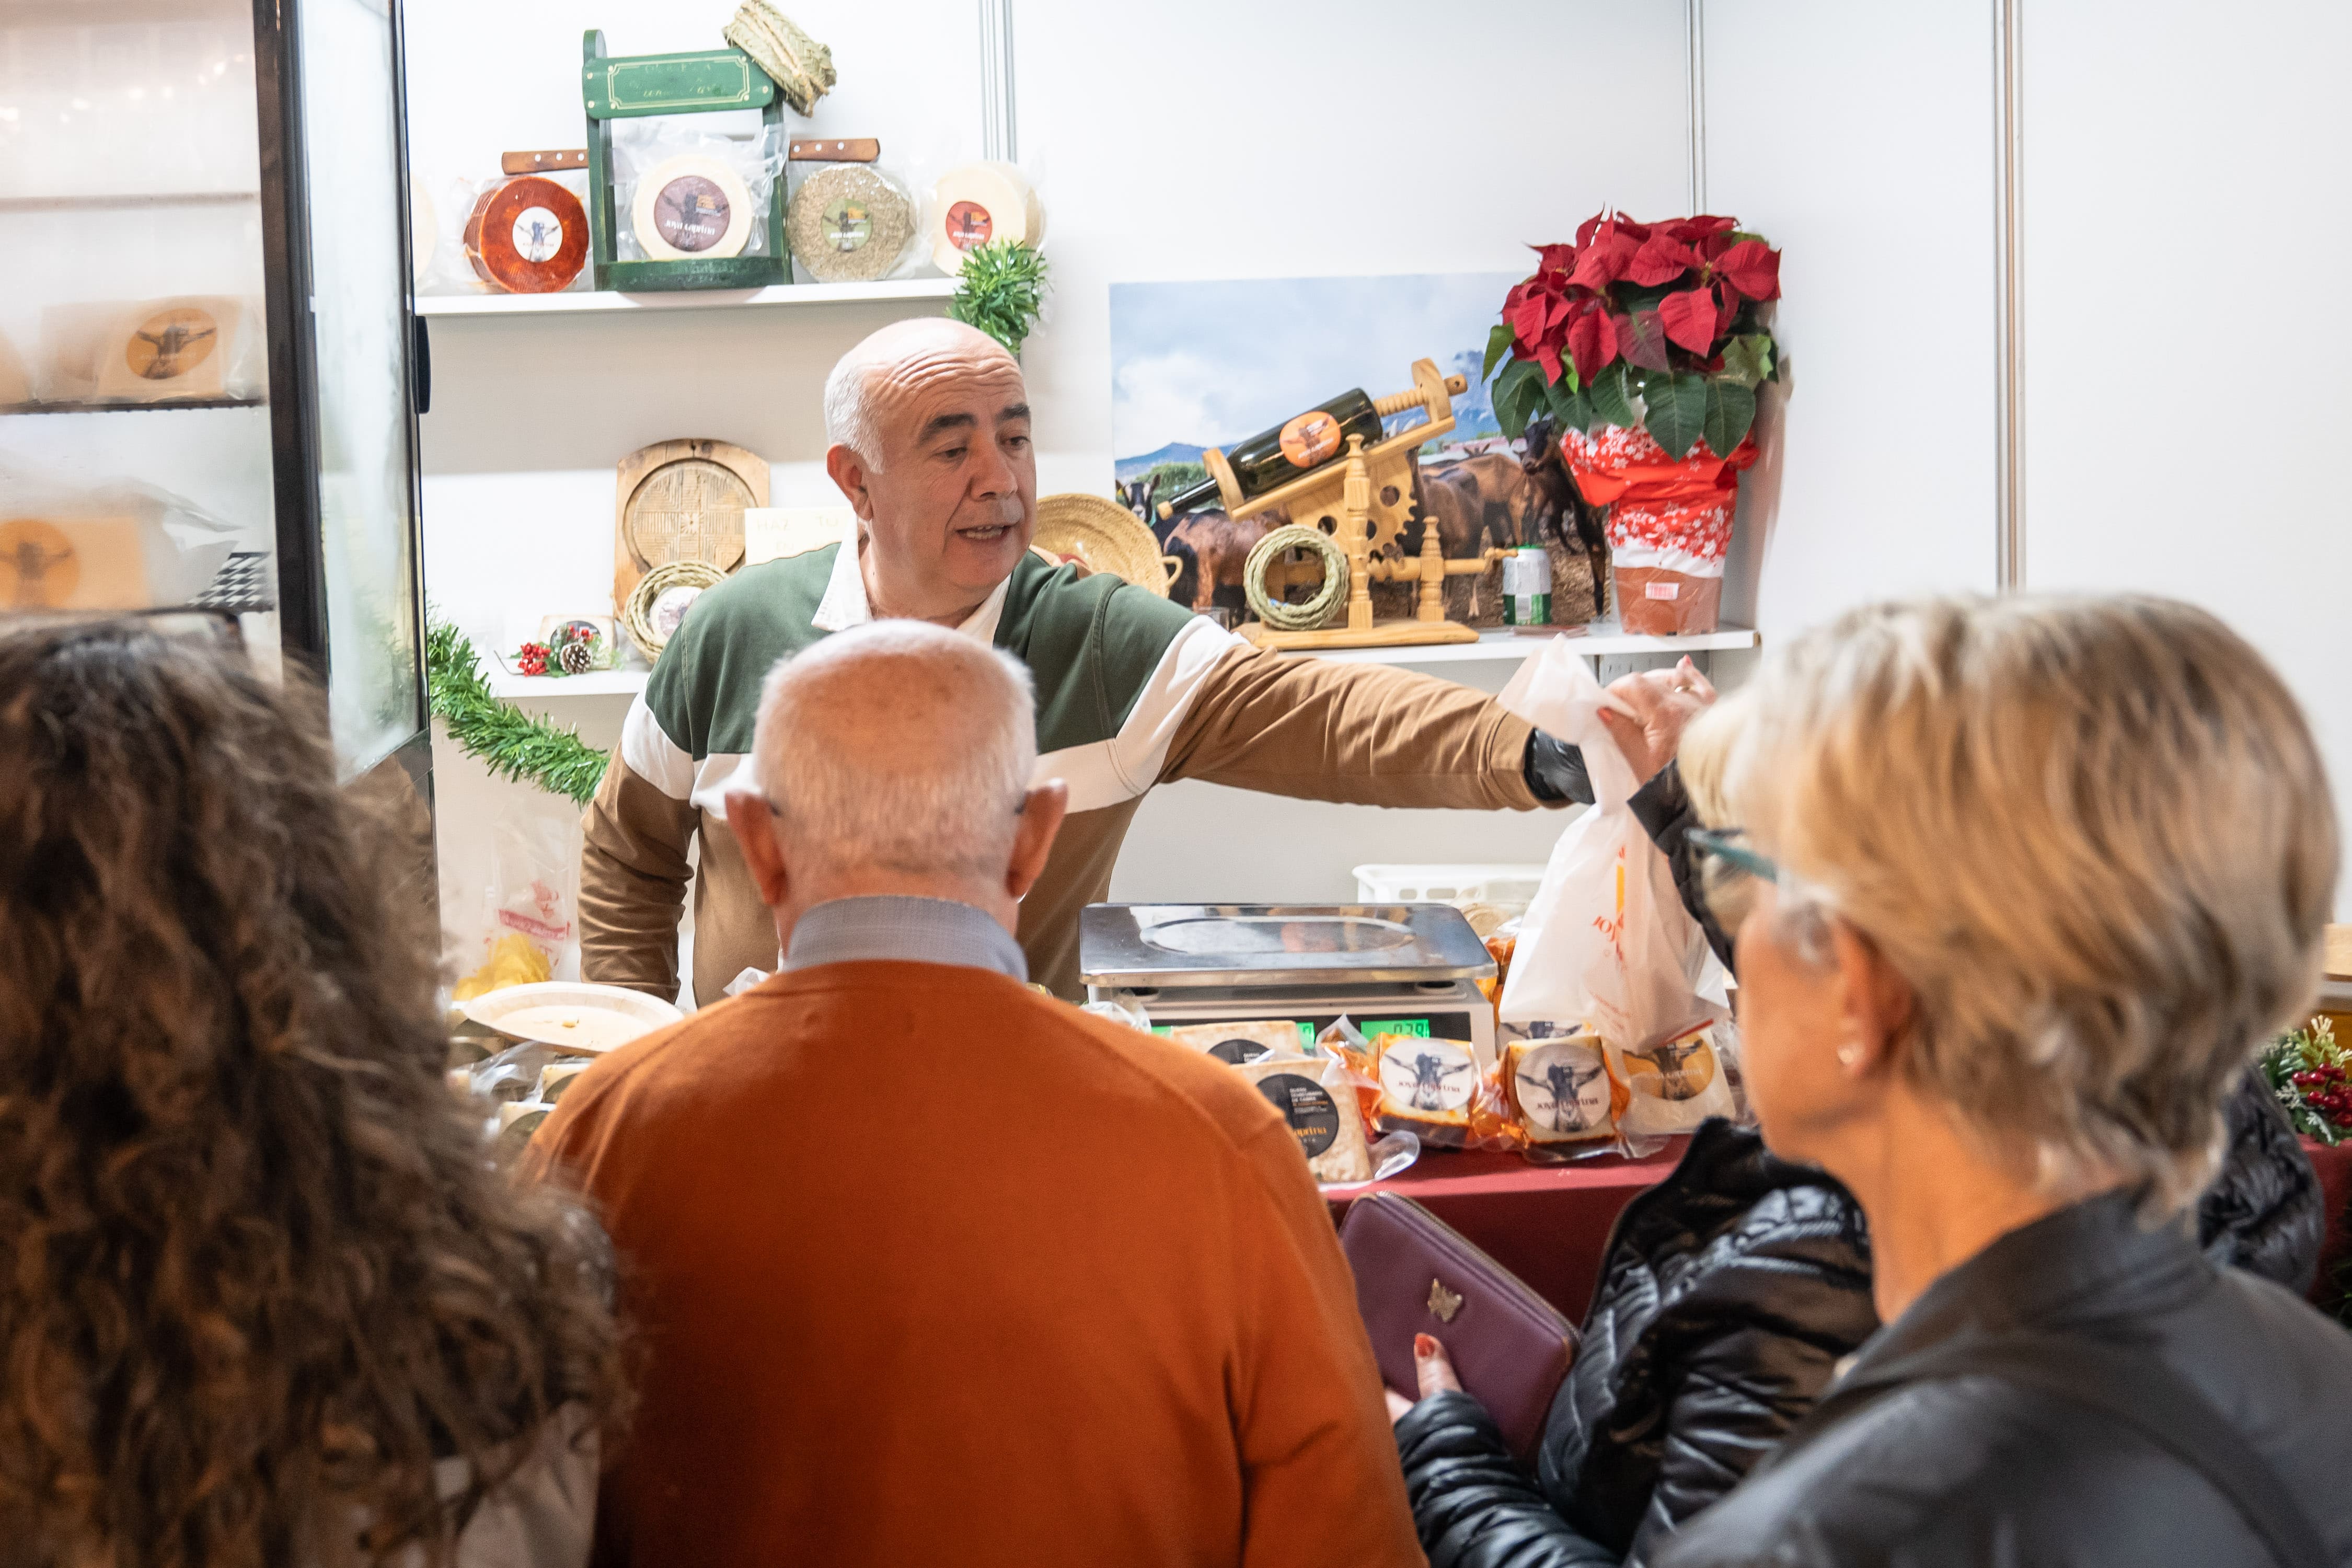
[1174, 452]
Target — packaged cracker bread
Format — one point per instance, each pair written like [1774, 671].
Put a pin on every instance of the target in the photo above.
[1330, 1131]
[1427, 1087]
[1562, 1090]
[1239, 1043]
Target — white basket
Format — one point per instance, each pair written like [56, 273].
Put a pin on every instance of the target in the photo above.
[1508, 888]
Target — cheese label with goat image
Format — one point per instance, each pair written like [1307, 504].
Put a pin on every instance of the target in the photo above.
[1424, 1082]
[1560, 1090]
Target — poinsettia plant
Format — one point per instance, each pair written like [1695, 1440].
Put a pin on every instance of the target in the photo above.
[1651, 326]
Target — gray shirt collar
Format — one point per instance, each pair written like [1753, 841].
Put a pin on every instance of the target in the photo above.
[905, 929]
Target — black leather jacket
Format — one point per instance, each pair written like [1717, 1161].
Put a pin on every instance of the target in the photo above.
[1725, 1294]
[1979, 1472]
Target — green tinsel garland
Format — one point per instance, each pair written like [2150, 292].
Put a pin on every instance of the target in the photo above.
[509, 741]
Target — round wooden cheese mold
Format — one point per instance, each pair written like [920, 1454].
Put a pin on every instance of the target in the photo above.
[529, 236]
[975, 204]
[691, 208]
[688, 510]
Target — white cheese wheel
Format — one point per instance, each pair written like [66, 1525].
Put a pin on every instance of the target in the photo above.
[975, 204]
[692, 208]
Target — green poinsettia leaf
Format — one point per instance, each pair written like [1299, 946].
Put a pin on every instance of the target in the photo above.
[1747, 359]
[1677, 411]
[1731, 410]
[1571, 407]
[1612, 399]
[1499, 338]
[1518, 392]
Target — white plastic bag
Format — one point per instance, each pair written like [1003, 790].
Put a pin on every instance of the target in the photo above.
[1607, 939]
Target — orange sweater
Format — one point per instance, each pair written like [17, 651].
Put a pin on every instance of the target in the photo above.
[931, 1269]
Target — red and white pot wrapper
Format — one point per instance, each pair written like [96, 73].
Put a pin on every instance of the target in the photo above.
[1669, 524]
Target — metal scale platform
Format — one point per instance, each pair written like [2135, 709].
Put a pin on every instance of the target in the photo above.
[1403, 969]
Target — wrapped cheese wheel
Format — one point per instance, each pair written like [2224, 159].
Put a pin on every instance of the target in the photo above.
[1677, 1083]
[1427, 1087]
[1240, 1043]
[1330, 1131]
[556, 1076]
[975, 204]
[1560, 1090]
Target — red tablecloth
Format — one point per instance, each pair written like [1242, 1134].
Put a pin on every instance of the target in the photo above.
[1547, 1224]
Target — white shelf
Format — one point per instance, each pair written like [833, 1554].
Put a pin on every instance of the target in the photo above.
[531, 689]
[1491, 646]
[1494, 647]
[890, 291]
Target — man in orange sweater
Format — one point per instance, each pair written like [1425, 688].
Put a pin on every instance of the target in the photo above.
[929, 1268]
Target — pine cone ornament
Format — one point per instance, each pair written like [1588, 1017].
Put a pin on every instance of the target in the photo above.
[577, 657]
[532, 658]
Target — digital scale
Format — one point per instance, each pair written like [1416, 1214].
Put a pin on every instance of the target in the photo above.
[1400, 969]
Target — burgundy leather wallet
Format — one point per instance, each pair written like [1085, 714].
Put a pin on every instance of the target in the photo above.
[1417, 1275]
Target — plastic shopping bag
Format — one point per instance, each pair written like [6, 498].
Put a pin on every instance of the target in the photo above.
[1607, 940]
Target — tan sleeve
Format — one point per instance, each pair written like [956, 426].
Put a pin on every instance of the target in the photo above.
[1318, 1457]
[633, 876]
[1363, 734]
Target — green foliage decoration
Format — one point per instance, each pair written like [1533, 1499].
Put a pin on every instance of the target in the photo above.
[2308, 1071]
[1001, 291]
[510, 743]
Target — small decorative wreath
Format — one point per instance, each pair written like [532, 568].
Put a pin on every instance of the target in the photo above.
[1286, 618]
[660, 600]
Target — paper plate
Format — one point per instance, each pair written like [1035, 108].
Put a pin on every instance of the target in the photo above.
[571, 1015]
[1103, 536]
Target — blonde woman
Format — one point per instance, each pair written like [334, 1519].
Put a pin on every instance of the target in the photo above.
[2018, 887]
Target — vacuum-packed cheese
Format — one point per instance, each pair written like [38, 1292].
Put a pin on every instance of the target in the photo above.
[1560, 1089]
[1243, 1042]
[1329, 1130]
[1426, 1086]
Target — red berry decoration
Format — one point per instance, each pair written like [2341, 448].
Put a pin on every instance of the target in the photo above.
[532, 659]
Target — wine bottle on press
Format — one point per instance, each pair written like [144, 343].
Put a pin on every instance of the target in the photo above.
[1275, 456]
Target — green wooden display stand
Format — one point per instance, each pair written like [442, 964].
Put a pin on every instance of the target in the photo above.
[618, 87]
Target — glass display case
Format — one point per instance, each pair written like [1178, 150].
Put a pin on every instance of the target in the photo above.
[208, 388]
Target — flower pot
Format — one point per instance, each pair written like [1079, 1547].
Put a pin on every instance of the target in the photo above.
[1669, 524]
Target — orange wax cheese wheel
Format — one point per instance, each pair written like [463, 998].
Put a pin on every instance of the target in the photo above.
[529, 236]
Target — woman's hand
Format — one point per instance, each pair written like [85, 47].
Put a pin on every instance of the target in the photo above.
[1664, 702]
[1431, 1369]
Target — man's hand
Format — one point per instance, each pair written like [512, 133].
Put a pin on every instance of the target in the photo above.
[1665, 701]
[1431, 1369]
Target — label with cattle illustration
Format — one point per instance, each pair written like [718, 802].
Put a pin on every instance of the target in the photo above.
[692, 213]
[538, 235]
[1311, 438]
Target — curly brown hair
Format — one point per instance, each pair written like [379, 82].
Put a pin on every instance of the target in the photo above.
[253, 1262]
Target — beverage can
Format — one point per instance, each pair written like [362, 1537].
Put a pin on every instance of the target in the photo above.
[1527, 587]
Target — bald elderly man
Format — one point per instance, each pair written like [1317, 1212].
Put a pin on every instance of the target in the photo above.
[928, 423]
[954, 1317]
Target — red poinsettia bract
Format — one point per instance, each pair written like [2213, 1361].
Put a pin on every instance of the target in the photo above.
[1576, 308]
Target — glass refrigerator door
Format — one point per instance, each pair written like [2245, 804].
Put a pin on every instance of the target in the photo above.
[361, 432]
[135, 460]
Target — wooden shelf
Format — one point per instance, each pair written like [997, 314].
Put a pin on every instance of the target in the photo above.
[1491, 648]
[901, 290]
[178, 405]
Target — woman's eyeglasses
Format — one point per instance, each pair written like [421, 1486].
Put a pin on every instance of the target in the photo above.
[1724, 844]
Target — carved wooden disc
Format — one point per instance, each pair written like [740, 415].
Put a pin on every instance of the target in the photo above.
[691, 509]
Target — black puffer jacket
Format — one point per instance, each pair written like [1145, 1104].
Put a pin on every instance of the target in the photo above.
[1979, 1472]
[1727, 1293]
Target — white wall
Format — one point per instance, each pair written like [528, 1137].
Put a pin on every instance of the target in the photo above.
[2185, 408]
[1857, 137]
[1164, 150]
